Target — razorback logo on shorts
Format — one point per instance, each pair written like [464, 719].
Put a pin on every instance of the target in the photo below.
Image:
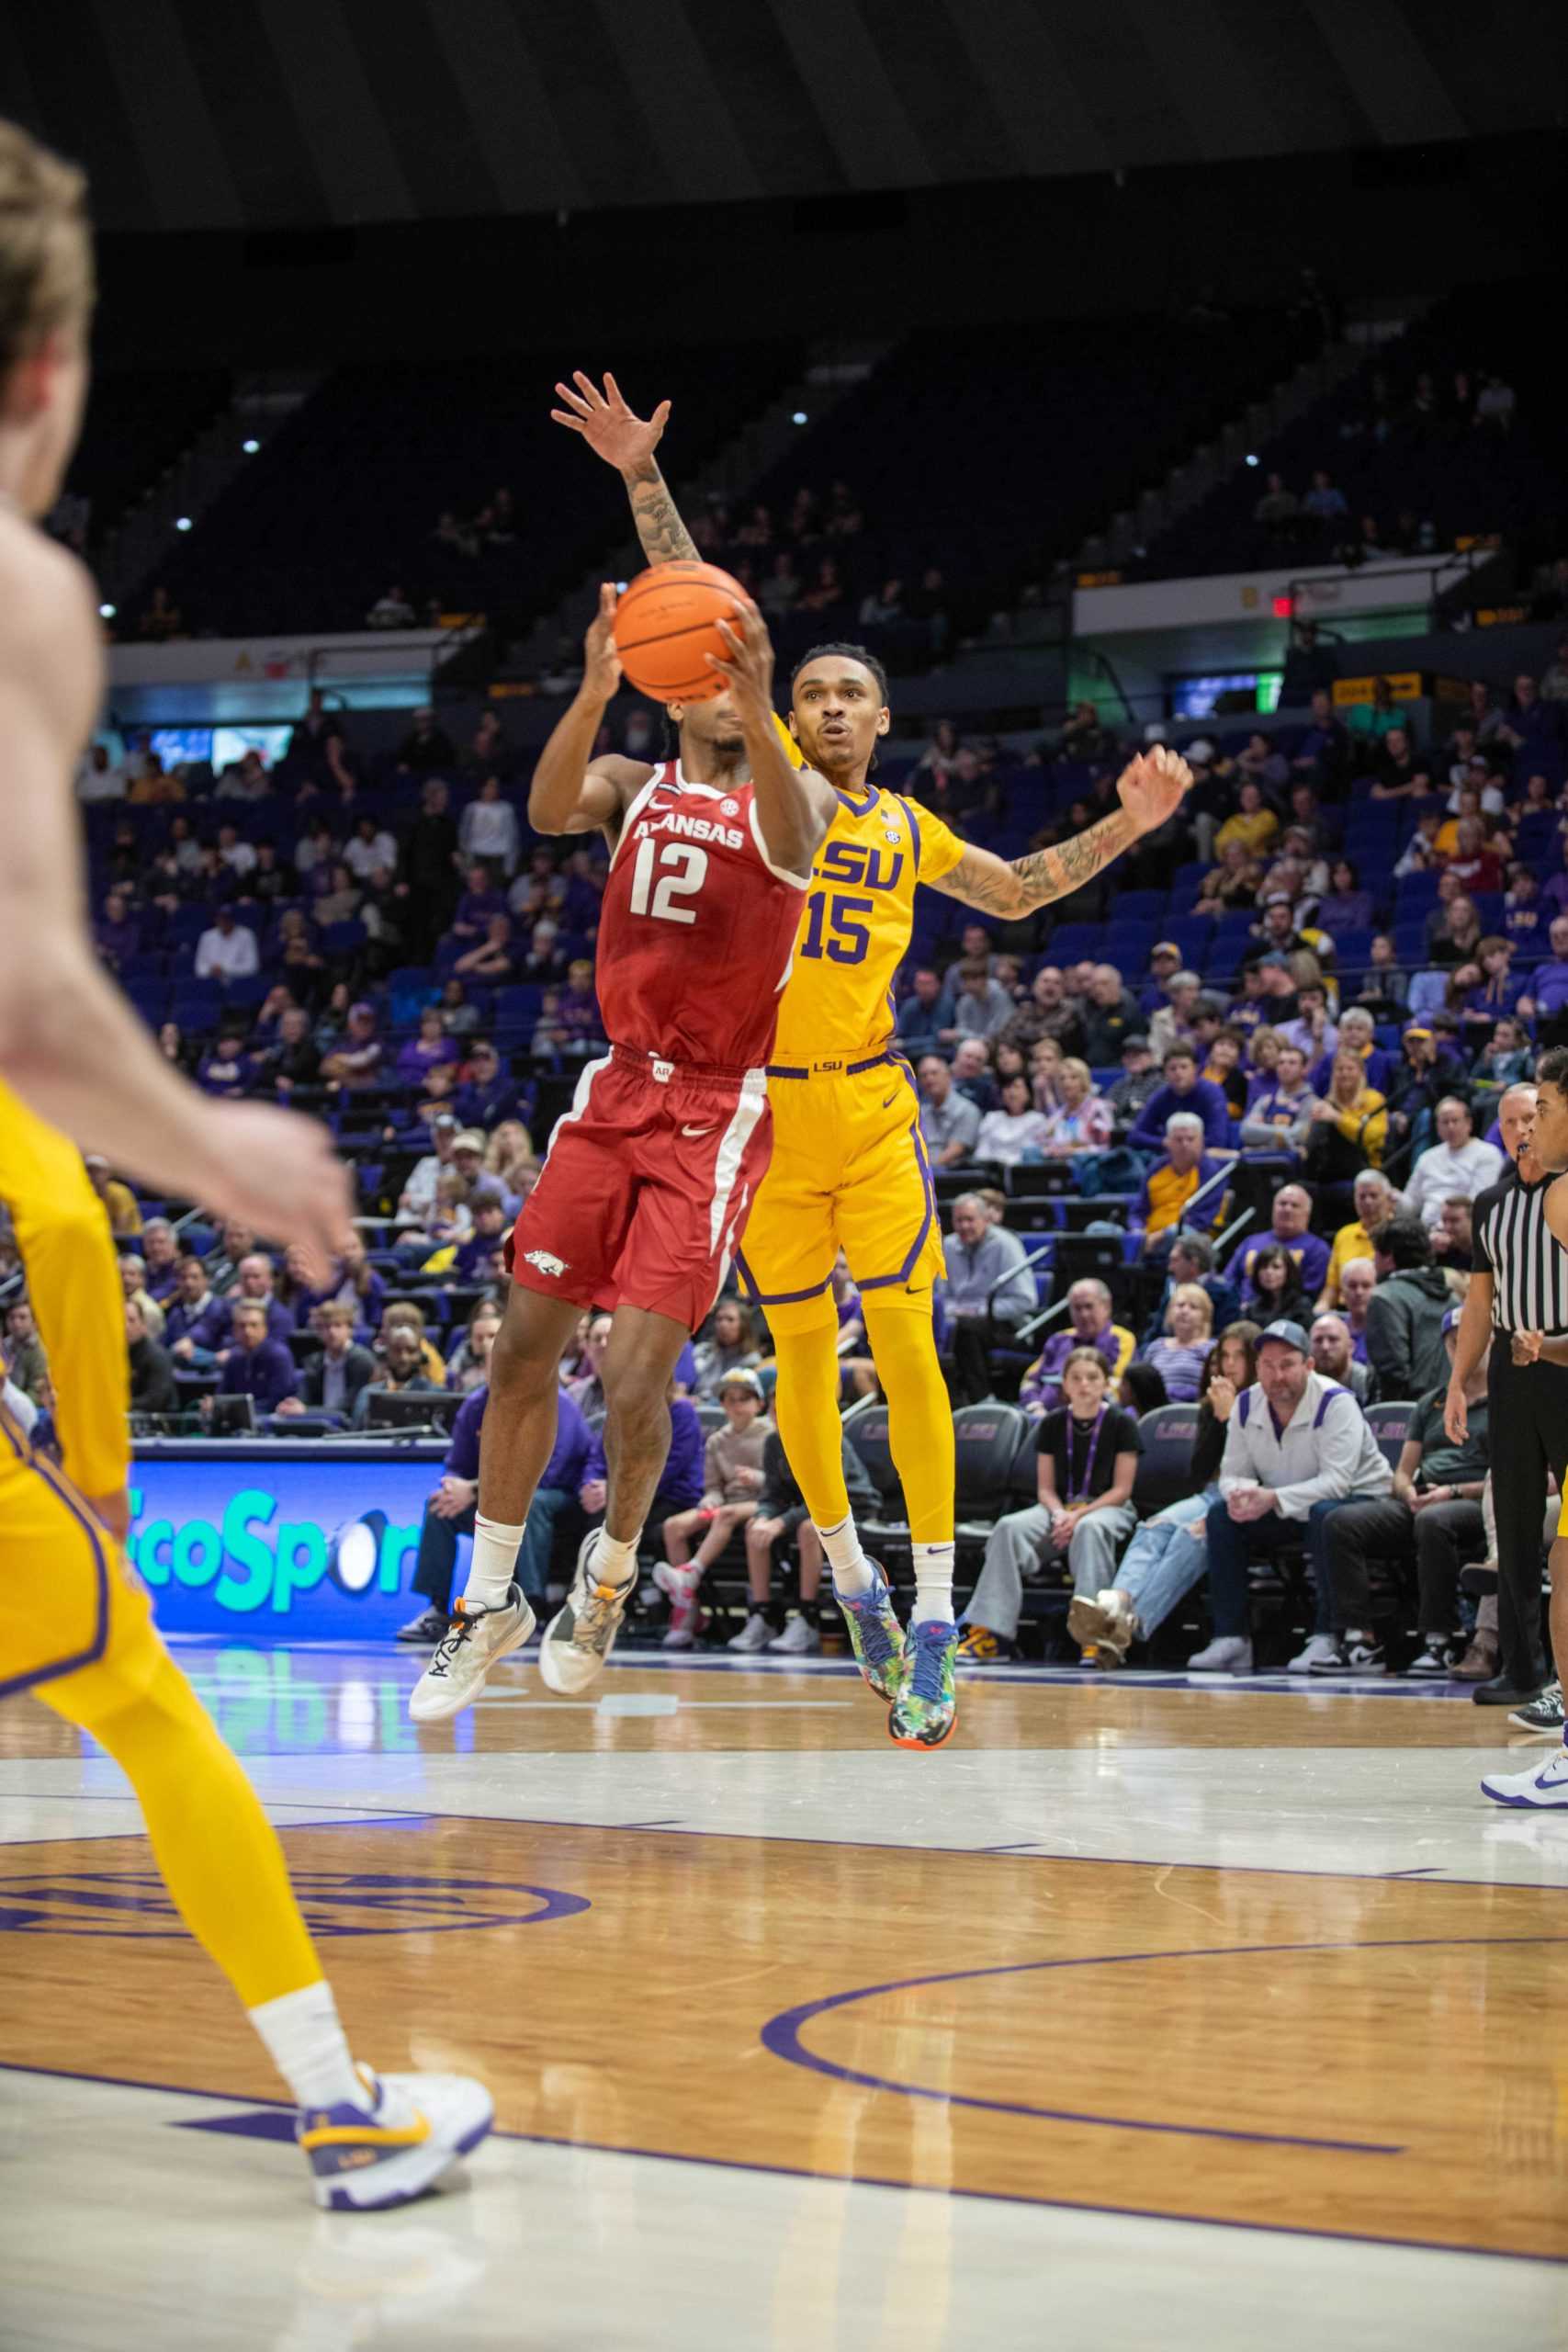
[545, 1262]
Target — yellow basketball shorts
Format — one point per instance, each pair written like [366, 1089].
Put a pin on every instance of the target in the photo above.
[1562, 1518]
[76, 1622]
[849, 1171]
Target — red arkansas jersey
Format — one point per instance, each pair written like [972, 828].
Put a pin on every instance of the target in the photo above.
[697, 927]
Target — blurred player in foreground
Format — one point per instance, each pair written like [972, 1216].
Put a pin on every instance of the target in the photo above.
[77, 1069]
[849, 1169]
[1547, 1784]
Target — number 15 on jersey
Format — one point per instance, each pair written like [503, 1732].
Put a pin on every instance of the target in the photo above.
[833, 928]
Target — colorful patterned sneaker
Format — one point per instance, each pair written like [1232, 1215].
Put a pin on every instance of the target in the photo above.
[977, 1645]
[409, 2129]
[477, 1639]
[876, 1635]
[582, 1634]
[926, 1710]
[1543, 1784]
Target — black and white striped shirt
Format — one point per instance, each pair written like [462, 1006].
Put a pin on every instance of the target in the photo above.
[1515, 1246]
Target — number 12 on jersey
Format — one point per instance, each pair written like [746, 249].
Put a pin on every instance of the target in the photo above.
[682, 870]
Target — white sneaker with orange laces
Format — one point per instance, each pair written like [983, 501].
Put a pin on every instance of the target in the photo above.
[582, 1634]
[477, 1639]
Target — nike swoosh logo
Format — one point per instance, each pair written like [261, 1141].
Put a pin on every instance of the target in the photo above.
[698, 1131]
[891, 1099]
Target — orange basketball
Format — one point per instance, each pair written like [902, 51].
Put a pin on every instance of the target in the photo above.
[666, 628]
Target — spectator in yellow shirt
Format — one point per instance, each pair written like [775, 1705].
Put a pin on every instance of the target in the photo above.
[118, 1199]
[1375, 1201]
[1253, 823]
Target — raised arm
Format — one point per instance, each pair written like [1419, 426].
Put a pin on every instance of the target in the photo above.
[571, 791]
[795, 805]
[627, 443]
[1151, 791]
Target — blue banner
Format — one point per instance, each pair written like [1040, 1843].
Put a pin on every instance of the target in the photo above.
[293, 1549]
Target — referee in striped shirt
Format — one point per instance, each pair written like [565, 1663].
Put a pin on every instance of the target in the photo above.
[1520, 1284]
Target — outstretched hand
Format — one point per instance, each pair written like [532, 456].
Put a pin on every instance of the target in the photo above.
[748, 673]
[1151, 788]
[607, 425]
[600, 662]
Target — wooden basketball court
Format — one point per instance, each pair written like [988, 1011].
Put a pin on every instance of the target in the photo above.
[1167, 1988]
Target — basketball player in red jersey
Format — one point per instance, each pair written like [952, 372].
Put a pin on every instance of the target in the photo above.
[649, 1176]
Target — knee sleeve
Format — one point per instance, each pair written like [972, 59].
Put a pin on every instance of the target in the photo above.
[919, 1412]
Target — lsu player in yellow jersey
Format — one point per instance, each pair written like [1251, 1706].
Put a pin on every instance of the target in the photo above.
[849, 1170]
[77, 1067]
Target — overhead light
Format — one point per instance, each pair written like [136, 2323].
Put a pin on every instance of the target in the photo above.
[250, 447]
[1251, 457]
[799, 416]
[107, 611]
[182, 522]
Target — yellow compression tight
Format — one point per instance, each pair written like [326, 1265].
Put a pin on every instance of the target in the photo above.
[920, 1413]
[218, 1851]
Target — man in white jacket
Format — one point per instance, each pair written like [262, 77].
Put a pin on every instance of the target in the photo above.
[1460, 1162]
[1297, 1447]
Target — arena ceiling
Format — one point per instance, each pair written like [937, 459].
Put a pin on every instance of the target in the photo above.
[258, 115]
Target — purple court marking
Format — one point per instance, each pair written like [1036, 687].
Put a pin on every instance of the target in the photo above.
[781, 2035]
[91, 1903]
[882, 2180]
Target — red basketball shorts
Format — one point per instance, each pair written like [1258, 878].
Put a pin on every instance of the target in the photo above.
[646, 1188]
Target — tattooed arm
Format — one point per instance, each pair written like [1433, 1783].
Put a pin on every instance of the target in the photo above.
[1151, 790]
[627, 443]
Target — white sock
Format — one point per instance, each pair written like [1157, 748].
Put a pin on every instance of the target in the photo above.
[306, 2043]
[613, 1562]
[933, 1583]
[494, 1564]
[853, 1572]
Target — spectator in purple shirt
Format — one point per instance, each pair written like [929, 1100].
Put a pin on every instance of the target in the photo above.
[421, 1053]
[577, 1025]
[1554, 891]
[199, 1322]
[1308, 1252]
[255, 1284]
[488, 1094]
[356, 1059]
[355, 1282]
[477, 907]
[1530, 724]
[1183, 1091]
[229, 1070]
[161, 1255]
[1088, 1325]
[450, 1510]
[119, 933]
[1549, 981]
[680, 1487]
[257, 1366]
[1525, 919]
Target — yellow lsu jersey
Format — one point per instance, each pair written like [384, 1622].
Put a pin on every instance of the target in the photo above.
[854, 933]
